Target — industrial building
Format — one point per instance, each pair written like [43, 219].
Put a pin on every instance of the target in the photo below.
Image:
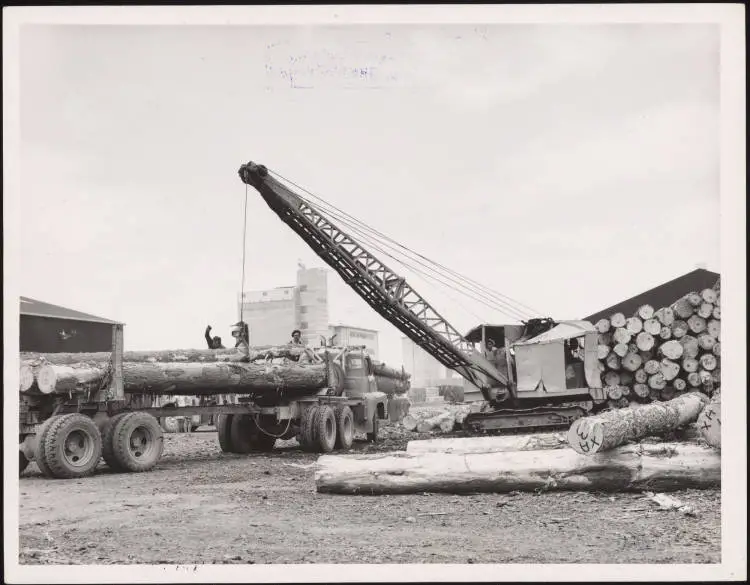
[48, 328]
[348, 335]
[425, 370]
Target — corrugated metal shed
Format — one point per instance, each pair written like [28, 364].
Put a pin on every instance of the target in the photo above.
[36, 308]
[662, 295]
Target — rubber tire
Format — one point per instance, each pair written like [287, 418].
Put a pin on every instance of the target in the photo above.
[326, 433]
[108, 453]
[39, 456]
[23, 462]
[309, 428]
[373, 436]
[262, 441]
[344, 427]
[121, 434]
[223, 426]
[242, 433]
[339, 379]
[54, 444]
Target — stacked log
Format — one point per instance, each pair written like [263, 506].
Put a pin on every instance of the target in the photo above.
[665, 352]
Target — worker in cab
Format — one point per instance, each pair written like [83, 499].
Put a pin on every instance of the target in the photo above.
[213, 342]
[296, 338]
[496, 356]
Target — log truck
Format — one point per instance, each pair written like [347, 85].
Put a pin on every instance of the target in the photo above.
[553, 376]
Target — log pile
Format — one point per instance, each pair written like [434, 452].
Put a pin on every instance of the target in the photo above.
[657, 355]
[440, 420]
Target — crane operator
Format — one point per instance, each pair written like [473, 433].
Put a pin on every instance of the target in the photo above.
[496, 356]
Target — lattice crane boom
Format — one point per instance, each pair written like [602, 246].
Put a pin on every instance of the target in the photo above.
[382, 288]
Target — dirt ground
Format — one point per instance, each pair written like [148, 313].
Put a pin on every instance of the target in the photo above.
[201, 506]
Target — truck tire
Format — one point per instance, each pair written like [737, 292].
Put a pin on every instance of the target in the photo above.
[242, 433]
[39, 456]
[326, 432]
[72, 446]
[137, 442]
[223, 426]
[108, 453]
[373, 436]
[344, 427]
[23, 461]
[309, 428]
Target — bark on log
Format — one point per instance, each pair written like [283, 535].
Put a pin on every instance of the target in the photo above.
[634, 325]
[641, 389]
[602, 351]
[708, 295]
[709, 422]
[679, 329]
[651, 367]
[602, 325]
[682, 308]
[665, 333]
[644, 341]
[631, 362]
[497, 444]
[669, 369]
[690, 347]
[713, 328]
[708, 361]
[696, 324]
[617, 320]
[25, 377]
[620, 350]
[208, 378]
[645, 312]
[672, 350]
[77, 377]
[605, 431]
[690, 365]
[665, 316]
[621, 335]
[640, 375]
[662, 467]
[657, 381]
[705, 310]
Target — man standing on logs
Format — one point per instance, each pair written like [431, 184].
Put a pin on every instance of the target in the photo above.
[213, 342]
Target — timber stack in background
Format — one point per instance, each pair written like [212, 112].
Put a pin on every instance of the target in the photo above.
[659, 353]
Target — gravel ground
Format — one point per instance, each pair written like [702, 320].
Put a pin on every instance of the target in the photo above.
[203, 506]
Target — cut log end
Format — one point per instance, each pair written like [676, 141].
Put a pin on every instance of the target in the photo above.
[644, 341]
[618, 320]
[26, 378]
[645, 312]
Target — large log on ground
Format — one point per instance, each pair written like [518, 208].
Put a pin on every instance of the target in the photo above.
[709, 422]
[613, 428]
[500, 444]
[443, 421]
[194, 379]
[660, 466]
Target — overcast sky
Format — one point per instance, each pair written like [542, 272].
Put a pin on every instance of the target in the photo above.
[568, 167]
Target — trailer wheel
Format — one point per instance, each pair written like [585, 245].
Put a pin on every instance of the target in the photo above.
[223, 426]
[108, 451]
[326, 431]
[373, 436]
[72, 446]
[39, 455]
[137, 441]
[344, 427]
[23, 461]
[242, 433]
[309, 428]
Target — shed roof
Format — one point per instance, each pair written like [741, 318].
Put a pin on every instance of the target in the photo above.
[662, 295]
[33, 307]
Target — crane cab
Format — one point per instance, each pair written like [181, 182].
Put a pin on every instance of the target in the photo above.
[547, 362]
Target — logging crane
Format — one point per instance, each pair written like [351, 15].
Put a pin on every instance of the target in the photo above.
[543, 387]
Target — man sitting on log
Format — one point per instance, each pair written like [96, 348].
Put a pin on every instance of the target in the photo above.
[213, 342]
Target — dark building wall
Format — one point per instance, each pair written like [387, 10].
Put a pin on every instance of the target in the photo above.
[661, 296]
[51, 335]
